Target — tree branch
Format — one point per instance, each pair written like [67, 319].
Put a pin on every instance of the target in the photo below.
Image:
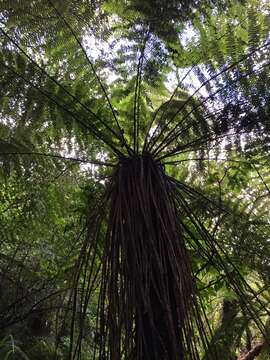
[253, 353]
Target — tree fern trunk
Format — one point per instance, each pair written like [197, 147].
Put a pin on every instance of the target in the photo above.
[150, 281]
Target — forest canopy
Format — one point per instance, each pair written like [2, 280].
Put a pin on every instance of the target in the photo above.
[134, 170]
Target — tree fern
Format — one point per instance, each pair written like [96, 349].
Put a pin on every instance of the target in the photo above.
[134, 257]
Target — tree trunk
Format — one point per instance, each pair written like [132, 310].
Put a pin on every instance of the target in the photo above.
[155, 284]
[224, 339]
